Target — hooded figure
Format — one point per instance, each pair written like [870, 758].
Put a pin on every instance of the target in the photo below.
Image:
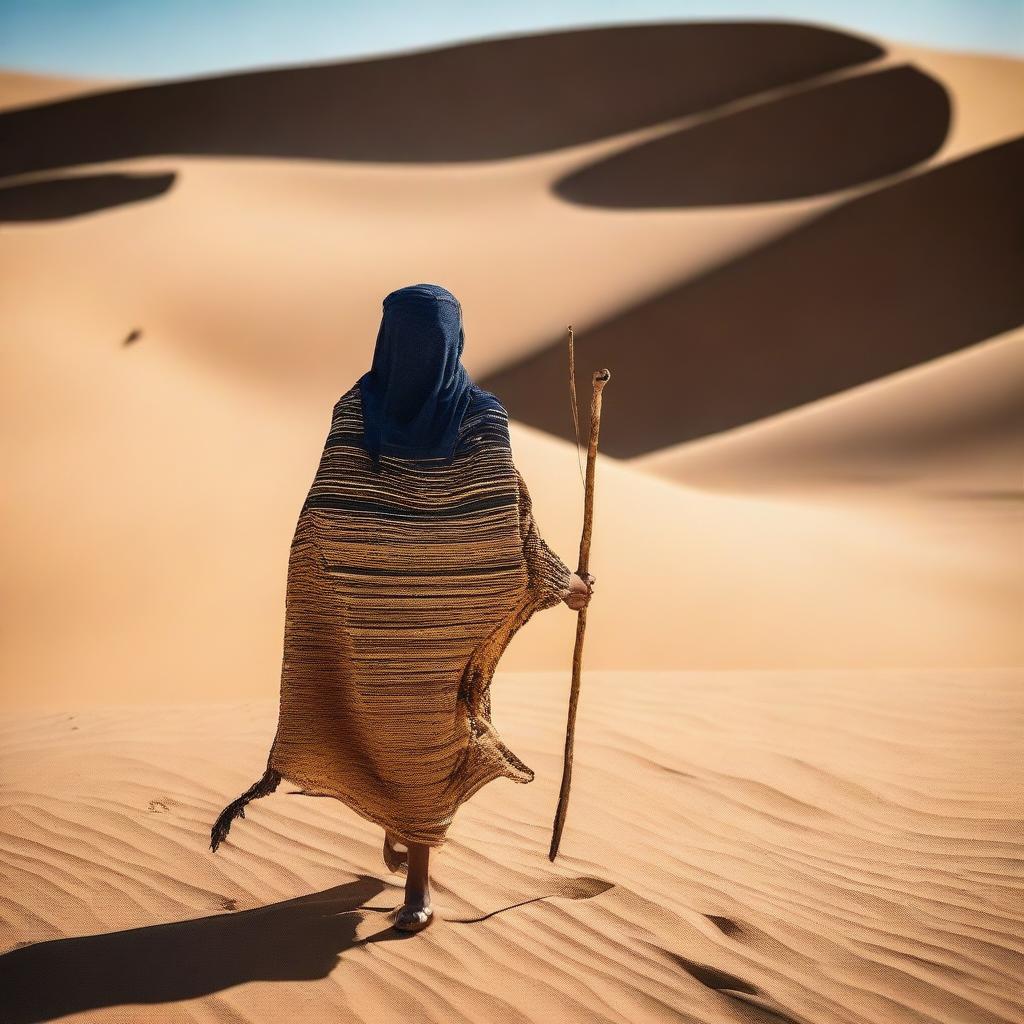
[414, 561]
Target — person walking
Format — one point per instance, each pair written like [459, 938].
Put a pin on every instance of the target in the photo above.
[415, 560]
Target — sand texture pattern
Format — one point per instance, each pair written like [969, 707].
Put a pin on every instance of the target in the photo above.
[819, 847]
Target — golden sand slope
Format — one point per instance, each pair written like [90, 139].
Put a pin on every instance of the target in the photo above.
[790, 846]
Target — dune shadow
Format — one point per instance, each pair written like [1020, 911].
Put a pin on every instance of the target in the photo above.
[482, 100]
[296, 940]
[818, 140]
[885, 281]
[59, 198]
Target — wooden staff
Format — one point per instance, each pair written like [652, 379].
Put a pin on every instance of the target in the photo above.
[601, 377]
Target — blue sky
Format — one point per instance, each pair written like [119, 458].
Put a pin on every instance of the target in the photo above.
[171, 38]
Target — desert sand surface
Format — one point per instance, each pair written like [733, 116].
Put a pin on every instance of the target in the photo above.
[796, 795]
[741, 846]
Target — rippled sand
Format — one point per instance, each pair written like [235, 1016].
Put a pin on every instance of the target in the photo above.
[741, 846]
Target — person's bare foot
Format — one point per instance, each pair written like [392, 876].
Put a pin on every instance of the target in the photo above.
[417, 912]
[396, 854]
[414, 919]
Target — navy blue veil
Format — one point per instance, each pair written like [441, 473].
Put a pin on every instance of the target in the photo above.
[417, 391]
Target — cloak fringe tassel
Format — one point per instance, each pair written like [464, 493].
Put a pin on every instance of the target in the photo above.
[236, 809]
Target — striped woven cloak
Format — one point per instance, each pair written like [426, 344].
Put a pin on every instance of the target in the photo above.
[405, 585]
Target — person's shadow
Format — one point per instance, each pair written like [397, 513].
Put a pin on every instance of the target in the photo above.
[297, 940]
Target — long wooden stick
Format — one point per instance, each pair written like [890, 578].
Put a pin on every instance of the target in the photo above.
[601, 377]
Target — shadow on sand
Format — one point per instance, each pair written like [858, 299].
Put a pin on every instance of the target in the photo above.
[818, 140]
[297, 940]
[484, 100]
[57, 198]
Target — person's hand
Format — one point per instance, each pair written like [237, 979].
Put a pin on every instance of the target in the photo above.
[580, 589]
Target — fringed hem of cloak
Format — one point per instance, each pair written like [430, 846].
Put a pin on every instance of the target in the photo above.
[271, 779]
[499, 769]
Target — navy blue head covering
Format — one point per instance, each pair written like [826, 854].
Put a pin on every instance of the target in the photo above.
[417, 391]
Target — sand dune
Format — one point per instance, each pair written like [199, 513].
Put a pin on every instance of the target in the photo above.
[885, 281]
[795, 846]
[252, 289]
